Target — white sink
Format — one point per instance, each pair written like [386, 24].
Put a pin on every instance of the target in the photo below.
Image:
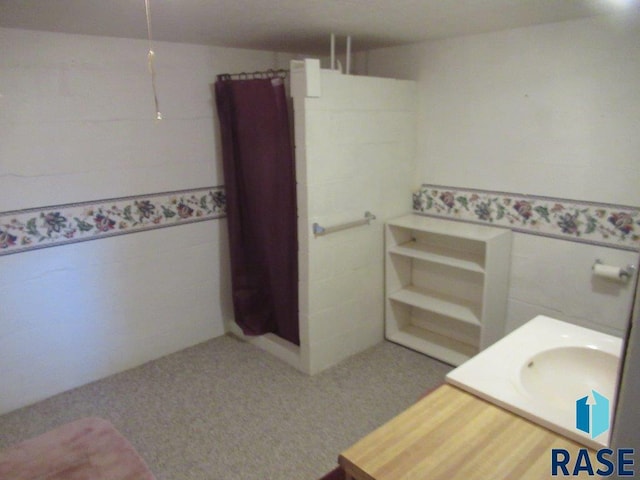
[541, 369]
[561, 375]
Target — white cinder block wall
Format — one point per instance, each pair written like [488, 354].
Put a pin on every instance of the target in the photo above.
[546, 110]
[76, 124]
[354, 153]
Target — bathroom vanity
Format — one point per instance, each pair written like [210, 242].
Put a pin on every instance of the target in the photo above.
[451, 434]
[541, 369]
[479, 425]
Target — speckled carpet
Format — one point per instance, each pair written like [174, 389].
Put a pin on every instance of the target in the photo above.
[224, 410]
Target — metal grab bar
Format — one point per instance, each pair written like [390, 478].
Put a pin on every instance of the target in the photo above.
[319, 231]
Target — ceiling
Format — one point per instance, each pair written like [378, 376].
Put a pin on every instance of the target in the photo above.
[298, 26]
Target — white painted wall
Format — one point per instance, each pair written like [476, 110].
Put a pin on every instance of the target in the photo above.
[354, 153]
[548, 110]
[76, 124]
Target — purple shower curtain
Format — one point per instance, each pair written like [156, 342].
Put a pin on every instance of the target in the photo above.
[259, 177]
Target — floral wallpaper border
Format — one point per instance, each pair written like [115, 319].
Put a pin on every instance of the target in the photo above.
[609, 225]
[35, 228]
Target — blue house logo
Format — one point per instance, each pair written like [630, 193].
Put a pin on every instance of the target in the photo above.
[592, 417]
[592, 414]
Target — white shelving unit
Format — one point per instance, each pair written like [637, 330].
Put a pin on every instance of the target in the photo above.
[446, 286]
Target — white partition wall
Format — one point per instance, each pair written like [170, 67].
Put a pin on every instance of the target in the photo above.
[355, 142]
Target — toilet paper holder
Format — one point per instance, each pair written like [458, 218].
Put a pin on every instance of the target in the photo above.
[624, 273]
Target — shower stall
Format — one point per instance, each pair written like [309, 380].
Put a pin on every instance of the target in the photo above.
[355, 139]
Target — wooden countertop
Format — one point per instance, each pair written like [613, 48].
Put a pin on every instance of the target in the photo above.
[450, 435]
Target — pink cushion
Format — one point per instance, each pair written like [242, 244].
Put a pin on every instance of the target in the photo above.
[87, 449]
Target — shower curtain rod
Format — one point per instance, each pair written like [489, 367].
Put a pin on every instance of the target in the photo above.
[271, 73]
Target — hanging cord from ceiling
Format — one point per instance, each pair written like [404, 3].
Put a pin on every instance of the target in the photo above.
[151, 60]
[271, 73]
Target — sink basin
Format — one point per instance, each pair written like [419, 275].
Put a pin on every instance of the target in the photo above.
[559, 376]
[541, 370]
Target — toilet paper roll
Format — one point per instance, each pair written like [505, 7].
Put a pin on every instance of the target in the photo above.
[608, 271]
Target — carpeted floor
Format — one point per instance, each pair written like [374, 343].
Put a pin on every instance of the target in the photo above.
[224, 410]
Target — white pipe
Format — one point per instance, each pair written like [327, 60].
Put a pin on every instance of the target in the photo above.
[348, 67]
[333, 52]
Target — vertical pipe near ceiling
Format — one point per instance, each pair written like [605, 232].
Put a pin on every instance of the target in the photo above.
[333, 51]
[348, 67]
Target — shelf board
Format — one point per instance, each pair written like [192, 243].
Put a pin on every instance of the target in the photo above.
[459, 331]
[437, 346]
[440, 255]
[438, 303]
[448, 227]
